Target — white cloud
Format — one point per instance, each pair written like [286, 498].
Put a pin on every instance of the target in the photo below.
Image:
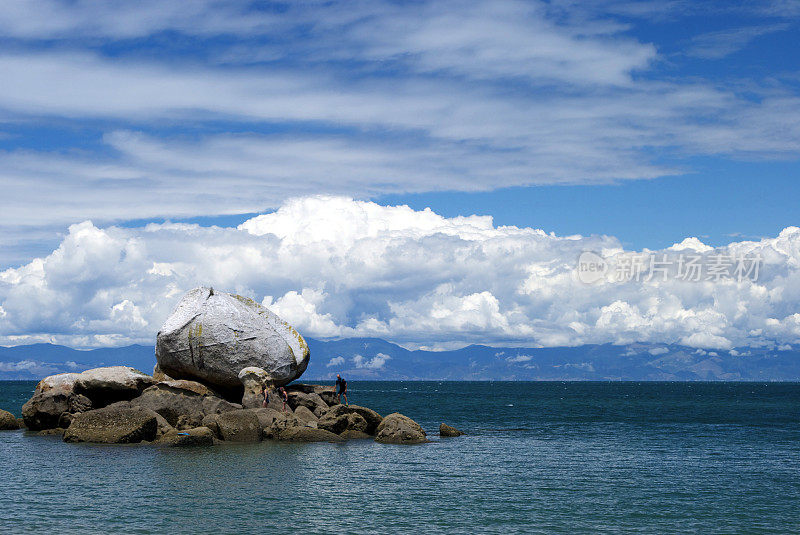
[716, 45]
[335, 267]
[370, 98]
[335, 361]
[375, 363]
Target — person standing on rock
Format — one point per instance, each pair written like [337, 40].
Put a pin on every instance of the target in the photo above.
[341, 385]
[265, 395]
[284, 396]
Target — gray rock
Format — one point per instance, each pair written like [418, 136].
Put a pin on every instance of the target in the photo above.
[210, 421]
[273, 422]
[372, 418]
[326, 393]
[211, 336]
[338, 423]
[333, 423]
[107, 385]
[159, 375]
[113, 426]
[192, 386]
[44, 410]
[239, 426]
[253, 380]
[447, 431]
[8, 422]
[311, 401]
[163, 426]
[308, 434]
[181, 408]
[198, 436]
[305, 415]
[61, 381]
[399, 429]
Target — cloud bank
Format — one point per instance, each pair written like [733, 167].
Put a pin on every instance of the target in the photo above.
[116, 110]
[336, 267]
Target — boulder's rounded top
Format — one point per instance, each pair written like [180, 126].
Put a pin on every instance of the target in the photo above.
[230, 309]
[211, 336]
[111, 373]
[61, 381]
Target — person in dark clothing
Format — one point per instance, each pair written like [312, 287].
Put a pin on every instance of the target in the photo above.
[341, 385]
[284, 397]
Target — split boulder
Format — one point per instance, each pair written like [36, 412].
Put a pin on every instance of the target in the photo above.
[211, 336]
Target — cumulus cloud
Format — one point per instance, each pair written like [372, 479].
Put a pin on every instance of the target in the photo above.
[336, 267]
[370, 97]
[335, 361]
[375, 363]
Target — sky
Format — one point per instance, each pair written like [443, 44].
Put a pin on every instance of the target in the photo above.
[426, 172]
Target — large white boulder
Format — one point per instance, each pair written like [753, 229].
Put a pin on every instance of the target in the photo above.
[211, 336]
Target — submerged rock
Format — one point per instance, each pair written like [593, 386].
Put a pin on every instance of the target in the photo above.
[308, 434]
[447, 431]
[399, 429]
[113, 425]
[211, 336]
[53, 432]
[351, 434]
[8, 422]
[198, 436]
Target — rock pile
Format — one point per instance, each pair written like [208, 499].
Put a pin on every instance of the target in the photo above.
[215, 354]
[186, 413]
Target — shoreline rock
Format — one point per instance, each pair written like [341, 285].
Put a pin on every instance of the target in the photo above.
[399, 429]
[182, 412]
[113, 425]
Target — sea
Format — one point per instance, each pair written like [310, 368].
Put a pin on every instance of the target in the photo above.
[538, 457]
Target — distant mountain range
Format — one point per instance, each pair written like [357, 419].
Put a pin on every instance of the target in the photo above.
[376, 359]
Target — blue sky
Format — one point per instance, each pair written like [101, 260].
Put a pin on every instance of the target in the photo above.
[648, 122]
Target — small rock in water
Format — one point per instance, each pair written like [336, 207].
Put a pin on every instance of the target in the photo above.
[399, 429]
[448, 431]
[8, 422]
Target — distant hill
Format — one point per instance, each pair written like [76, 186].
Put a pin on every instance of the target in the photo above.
[373, 358]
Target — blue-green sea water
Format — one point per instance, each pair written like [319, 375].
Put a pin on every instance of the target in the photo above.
[539, 458]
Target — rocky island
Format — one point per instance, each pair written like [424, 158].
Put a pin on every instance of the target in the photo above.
[214, 356]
